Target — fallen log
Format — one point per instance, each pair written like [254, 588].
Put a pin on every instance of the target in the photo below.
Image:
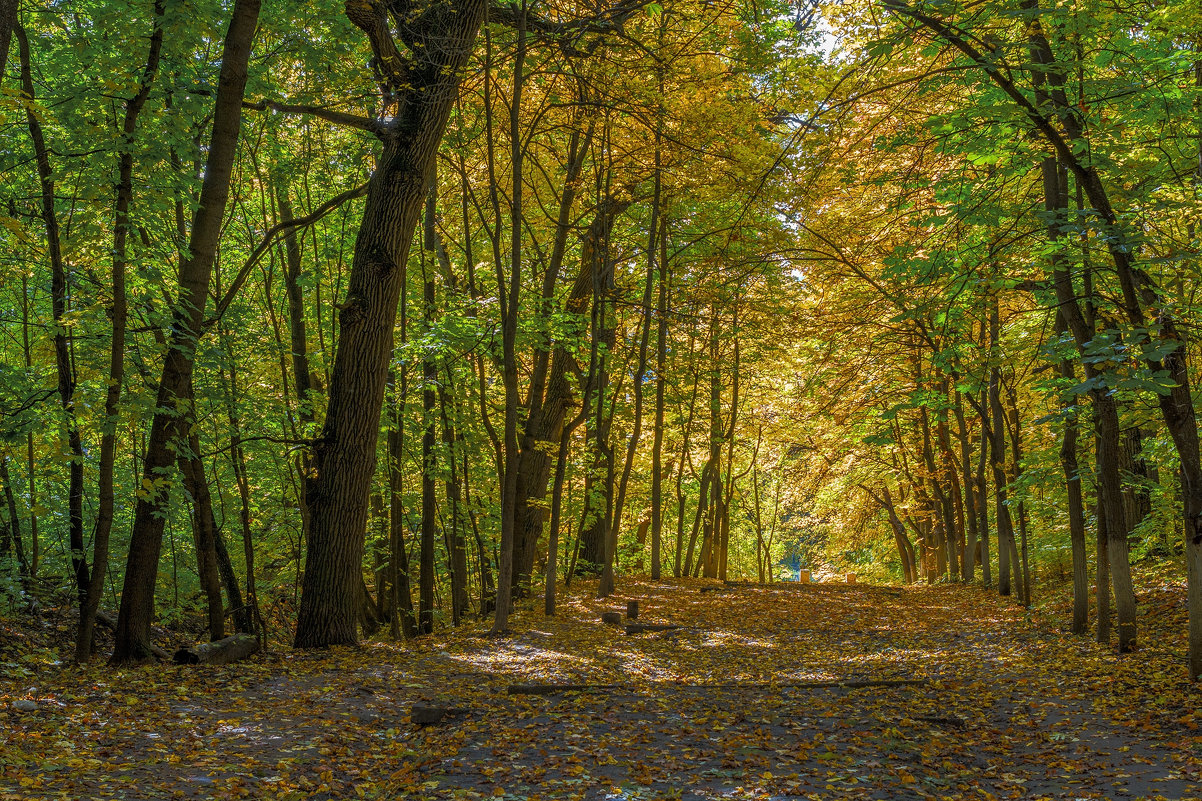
[555, 689]
[110, 622]
[850, 684]
[643, 628]
[221, 652]
[719, 589]
[425, 714]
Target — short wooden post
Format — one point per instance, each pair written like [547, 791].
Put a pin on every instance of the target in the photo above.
[632, 610]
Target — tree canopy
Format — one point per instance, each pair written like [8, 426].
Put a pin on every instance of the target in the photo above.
[326, 321]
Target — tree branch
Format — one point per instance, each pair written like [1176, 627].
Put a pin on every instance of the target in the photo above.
[270, 239]
[327, 114]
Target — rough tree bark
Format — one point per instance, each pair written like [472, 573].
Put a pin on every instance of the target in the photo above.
[424, 84]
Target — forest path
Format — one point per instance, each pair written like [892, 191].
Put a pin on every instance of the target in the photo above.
[1011, 707]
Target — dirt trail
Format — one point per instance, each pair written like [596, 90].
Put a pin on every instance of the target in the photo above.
[1011, 708]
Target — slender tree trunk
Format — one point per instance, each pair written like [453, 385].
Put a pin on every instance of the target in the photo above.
[657, 447]
[954, 511]
[983, 496]
[8, 22]
[59, 301]
[404, 622]
[1076, 508]
[457, 547]
[708, 562]
[508, 292]
[425, 621]
[684, 459]
[968, 559]
[723, 510]
[549, 394]
[204, 532]
[997, 458]
[14, 520]
[557, 493]
[905, 550]
[1021, 558]
[247, 618]
[137, 596]
[118, 314]
[607, 577]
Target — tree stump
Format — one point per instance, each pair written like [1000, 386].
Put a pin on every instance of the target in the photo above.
[803, 576]
[632, 610]
[612, 618]
[851, 578]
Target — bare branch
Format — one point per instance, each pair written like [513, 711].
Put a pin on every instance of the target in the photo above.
[270, 239]
[327, 114]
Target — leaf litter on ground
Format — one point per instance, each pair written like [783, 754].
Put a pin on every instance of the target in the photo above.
[1006, 706]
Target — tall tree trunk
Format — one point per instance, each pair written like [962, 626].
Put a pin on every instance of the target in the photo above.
[968, 559]
[1021, 559]
[640, 371]
[723, 509]
[457, 547]
[343, 458]
[954, 511]
[997, 458]
[678, 569]
[905, 550]
[118, 314]
[8, 21]
[707, 560]
[594, 537]
[404, 622]
[204, 532]
[556, 506]
[547, 395]
[169, 422]
[425, 618]
[63, 362]
[1076, 507]
[657, 447]
[508, 289]
[14, 520]
[1102, 583]
[247, 618]
[983, 496]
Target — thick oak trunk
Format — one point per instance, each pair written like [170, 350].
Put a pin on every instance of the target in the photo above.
[343, 457]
